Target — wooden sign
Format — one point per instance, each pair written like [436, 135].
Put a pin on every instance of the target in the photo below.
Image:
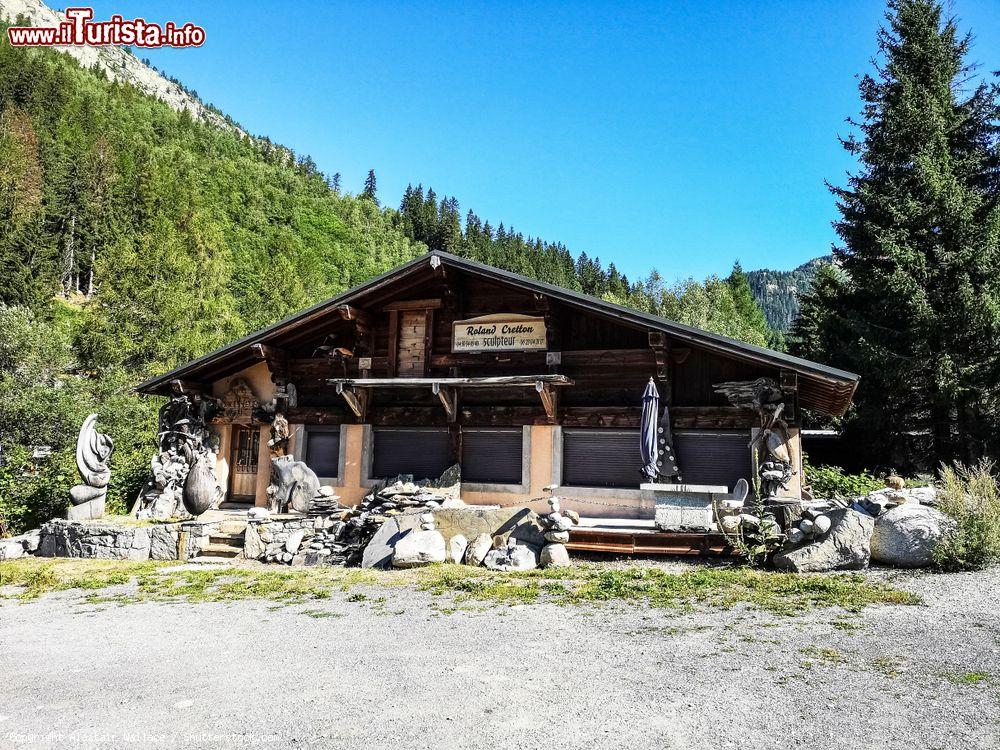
[499, 333]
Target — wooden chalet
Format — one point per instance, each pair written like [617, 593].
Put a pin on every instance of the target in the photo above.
[525, 384]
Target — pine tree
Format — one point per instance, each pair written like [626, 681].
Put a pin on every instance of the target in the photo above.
[370, 192]
[747, 308]
[919, 314]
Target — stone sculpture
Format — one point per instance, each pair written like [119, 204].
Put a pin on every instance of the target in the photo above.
[93, 454]
[293, 485]
[765, 397]
[185, 442]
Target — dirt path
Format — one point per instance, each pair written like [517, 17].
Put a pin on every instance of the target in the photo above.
[408, 672]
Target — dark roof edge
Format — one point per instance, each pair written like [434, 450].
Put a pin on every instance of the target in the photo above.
[679, 330]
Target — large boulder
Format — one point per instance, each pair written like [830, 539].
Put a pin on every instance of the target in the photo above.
[419, 548]
[11, 549]
[254, 546]
[905, 535]
[554, 556]
[846, 546]
[379, 550]
[457, 546]
[515, 557]
[478, 549]
[521, 524]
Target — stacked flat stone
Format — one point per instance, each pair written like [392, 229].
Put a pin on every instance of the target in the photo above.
[325, 503]
[558, 524]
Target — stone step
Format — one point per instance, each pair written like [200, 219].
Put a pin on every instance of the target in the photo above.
[216, 549]
[233, 526]
[220, 537]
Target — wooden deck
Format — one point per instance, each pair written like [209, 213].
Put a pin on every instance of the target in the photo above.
[639, 537]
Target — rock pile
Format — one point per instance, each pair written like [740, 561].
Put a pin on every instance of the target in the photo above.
[558, 523]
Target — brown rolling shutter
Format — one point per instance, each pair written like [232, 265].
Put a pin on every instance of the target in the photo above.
[492, 455]
[420, 451]
[323, 450]
[601, 458]
[713, 457]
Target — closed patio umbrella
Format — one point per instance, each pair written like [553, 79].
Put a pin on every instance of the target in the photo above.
[648, 424]
[654, 439]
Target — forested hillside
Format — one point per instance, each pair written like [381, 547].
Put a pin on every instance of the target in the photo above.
[134, 237]
[778, 292]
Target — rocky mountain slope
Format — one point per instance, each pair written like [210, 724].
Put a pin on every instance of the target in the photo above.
[777, 291]
[115, 61]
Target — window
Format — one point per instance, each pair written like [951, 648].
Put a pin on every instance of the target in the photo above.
[601, 458]
[323, 451]
[421, 451]
[492, 455]
[713, 457]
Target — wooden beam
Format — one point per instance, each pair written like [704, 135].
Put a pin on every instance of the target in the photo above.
[568, 358]
[189, 386]
[449, 400]
[359, 316]
[550, 400]
[276, 360]
[660, 345]
[357, 400]
[413, 304]
[501, 381]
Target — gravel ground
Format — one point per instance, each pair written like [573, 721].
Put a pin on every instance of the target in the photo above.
[409, 672]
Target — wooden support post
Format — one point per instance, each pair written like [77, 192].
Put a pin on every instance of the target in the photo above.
[660, 345]
[356, 398]
[550, 400]
[393, 342]
[449, 400]
[428, 337]
[790, 393]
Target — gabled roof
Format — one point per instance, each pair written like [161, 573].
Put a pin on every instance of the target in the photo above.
[821, 387]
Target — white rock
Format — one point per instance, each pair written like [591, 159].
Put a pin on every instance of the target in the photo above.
[557, 537]
[821, 524]
[478, 548]
[294, 541]
[419, 548]
[795, 535]
[806, 526]
[457, 546]
[11, 549]
[554, 556]
[326, 491]
[559, 522]
[905, 535]
[257, 512]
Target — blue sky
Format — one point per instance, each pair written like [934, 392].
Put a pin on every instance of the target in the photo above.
[680, 136]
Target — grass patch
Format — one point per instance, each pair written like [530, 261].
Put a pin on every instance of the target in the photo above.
[778, 593]
[823, 654]
[968, 678]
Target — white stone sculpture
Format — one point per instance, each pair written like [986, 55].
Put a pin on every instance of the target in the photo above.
[93, 454]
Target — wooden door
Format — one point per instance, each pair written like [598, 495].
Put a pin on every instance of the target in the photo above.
[243, 475]
[412, 343]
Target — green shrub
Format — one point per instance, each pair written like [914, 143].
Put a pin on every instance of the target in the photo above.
[832, 481]
[970, 496]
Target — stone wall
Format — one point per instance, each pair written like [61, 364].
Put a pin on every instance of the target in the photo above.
[107, 540]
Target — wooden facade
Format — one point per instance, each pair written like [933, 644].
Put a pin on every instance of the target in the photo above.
[383, 358]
